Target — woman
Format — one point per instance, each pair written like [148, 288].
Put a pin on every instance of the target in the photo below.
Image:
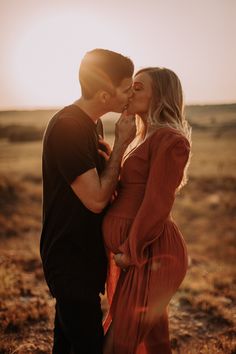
[150, 253]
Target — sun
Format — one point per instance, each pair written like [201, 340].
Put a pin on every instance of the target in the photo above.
[46, 56]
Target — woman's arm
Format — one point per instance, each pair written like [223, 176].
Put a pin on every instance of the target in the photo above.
[167, 163]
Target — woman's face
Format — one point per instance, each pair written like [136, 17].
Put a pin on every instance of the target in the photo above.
[142, 95]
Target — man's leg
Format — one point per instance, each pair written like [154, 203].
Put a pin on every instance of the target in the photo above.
[81, 322]
[61, 344]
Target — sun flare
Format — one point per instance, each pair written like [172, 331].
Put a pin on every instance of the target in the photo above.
[47, 56]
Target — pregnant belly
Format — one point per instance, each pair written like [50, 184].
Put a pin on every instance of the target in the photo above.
[115, 231]
[119, 218]
[128, 201]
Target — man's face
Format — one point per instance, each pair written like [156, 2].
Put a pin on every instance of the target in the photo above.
[123, 93]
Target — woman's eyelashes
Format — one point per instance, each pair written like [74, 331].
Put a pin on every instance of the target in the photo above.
[137, 88]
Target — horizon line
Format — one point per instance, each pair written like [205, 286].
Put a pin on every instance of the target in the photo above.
[47, 108]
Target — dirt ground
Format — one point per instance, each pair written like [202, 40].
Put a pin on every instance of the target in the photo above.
[202, 314]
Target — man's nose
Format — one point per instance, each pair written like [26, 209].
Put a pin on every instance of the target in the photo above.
[131, 94]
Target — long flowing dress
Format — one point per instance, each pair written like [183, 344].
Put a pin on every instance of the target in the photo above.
[139, 224]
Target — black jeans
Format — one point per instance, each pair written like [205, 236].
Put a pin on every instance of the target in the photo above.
[78, 319]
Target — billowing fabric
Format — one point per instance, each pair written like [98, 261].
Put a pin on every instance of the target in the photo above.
[139, 224]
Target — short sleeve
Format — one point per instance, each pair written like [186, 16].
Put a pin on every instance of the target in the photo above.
[71, 148]
[167, 165]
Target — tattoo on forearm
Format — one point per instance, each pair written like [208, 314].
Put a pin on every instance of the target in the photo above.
[110, 175]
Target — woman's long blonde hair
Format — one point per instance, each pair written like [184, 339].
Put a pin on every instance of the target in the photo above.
[167, 104]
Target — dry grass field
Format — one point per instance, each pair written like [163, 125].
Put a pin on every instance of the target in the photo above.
[202, 314]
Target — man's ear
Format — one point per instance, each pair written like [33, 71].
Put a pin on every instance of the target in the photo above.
[104, 96]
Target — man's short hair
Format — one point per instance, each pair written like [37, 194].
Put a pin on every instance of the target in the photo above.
[103, 69]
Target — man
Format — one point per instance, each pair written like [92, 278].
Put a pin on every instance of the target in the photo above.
[76, 188]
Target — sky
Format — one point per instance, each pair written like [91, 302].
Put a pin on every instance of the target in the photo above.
[43, 41]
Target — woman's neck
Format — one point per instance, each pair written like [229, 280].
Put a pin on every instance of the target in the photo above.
[150, 130]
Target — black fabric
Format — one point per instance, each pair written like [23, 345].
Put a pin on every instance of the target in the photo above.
[78, 320]
[71, 241]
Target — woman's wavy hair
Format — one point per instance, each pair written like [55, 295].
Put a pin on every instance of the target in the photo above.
[167, 104]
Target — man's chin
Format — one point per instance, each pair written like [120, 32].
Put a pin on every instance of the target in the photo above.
[120, 110]
[117, 110]
[124, 108]
[130, 111]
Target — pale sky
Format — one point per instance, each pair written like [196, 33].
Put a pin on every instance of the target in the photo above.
[42, 43]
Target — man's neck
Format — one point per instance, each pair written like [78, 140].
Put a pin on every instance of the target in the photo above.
[90, 108]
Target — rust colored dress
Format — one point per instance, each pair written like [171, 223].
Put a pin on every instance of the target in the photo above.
[139, 224]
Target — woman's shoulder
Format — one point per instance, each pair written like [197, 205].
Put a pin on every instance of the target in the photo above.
[168, 132]
[167, 137]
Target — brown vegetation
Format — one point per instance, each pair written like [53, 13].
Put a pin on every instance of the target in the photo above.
[202, 313]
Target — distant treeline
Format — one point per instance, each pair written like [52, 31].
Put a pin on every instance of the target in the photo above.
[210, 109]
[17, 133]
[22, 133]
[29, 125]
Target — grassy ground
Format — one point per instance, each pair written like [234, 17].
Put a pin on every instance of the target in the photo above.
[202, 313]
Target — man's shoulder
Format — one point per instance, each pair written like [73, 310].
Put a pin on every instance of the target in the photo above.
[68, 118]
[70, 112]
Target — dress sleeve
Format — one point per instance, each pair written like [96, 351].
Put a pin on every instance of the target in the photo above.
[167, 163]
[71, 148]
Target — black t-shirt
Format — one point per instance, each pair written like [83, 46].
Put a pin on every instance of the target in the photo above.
[71, 241]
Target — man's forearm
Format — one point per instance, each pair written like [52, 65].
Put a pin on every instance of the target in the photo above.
[95, 191]
[109, 177]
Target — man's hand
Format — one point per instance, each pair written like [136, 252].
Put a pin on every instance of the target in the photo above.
[122, 261]
[95, 190]
[125, 130]
[105, 149]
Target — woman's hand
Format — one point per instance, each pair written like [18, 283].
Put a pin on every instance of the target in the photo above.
[105, 149]
[122, 261]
